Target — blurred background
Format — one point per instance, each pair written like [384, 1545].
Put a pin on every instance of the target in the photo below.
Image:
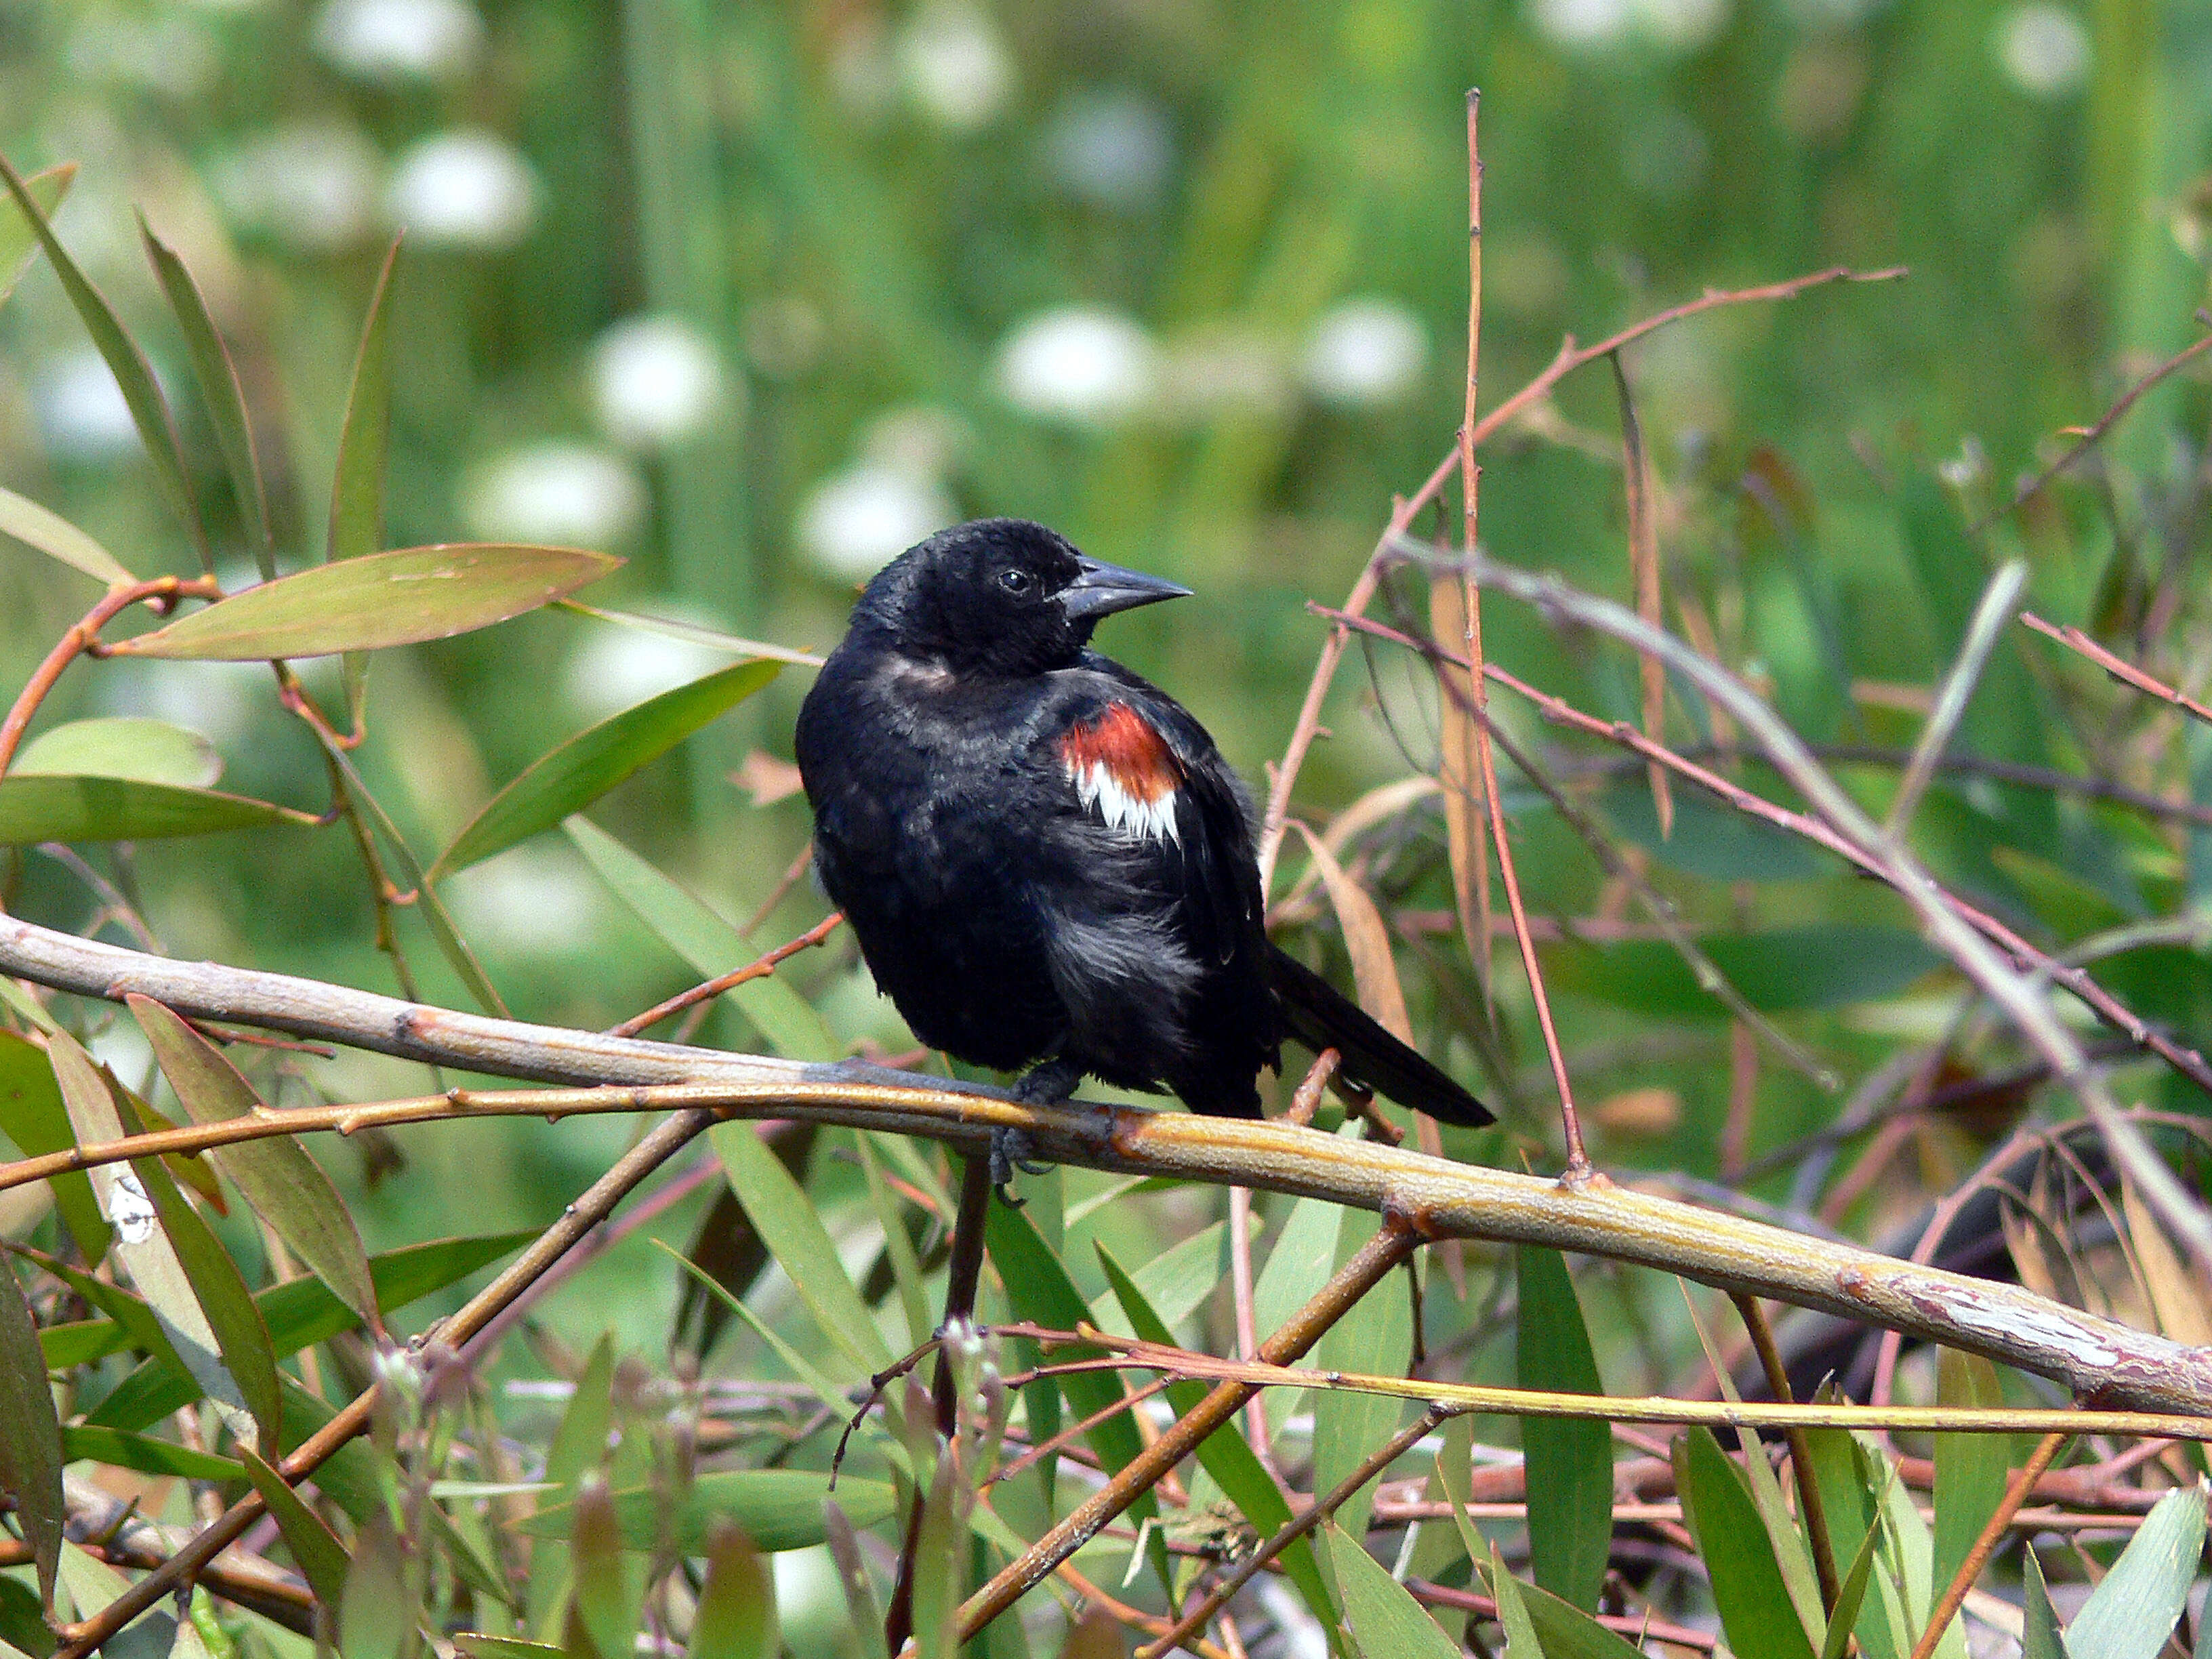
[756, 295]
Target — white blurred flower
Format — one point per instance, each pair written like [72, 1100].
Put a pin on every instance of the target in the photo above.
[384, 41]
[80, 409]
[954, 65]
[1596, 25]
[1365, 352]
[566, 494]
[613, 667]
[856, 521]
[1111, 149]
[919, 439]
[655, 380]
[466, 187]
[536, 900]
[2044, 50]
[313, 185]
[1078, 364]
[862, 71]
[1225, 371]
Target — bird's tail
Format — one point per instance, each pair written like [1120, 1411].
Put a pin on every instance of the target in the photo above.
[1320, 1017]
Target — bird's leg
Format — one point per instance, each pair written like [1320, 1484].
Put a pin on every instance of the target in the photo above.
[1047, 1083]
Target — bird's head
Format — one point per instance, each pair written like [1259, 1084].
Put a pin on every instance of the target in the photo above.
[1001, 596]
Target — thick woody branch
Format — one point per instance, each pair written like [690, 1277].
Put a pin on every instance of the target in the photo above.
[2105, 1362]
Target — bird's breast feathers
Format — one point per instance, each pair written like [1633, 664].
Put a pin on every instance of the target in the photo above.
[1123, 770]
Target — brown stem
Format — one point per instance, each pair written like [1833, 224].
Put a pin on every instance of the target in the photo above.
[1801, 1451]
[1954, 1593]
[1392, 1245]
[2119, 668]
[737, 977]
[1342, 1493]
[591, 1208]
[162, 593]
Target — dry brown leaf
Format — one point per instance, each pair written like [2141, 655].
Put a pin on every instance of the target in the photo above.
[1459, 773]
[1374, 972]
[2179, 1298]
[1644, 565]
[767, 779]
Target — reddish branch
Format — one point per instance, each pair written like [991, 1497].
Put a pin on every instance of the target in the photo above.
[714, 987]
[2118, 667]
[162, 594]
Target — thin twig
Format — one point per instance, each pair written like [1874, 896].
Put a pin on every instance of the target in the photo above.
[162, 594]
[1992, 1535]
[760, 969]
[1801, 1451]
[1957, 690]
[2118, 667]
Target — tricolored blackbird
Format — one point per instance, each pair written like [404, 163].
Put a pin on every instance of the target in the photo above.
[1045, 859]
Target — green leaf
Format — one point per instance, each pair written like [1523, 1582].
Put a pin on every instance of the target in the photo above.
[369, 604]
[1172, 1283]
[1384, 1617]
[19, 241]
[1754, 1606]
[1297, 1265]
[906, 1267]
[937, 1584]
[376, 1617]
[123, 746]
[33, 1116]
[1377, 1335]
[221, 395]
[322, 1561]
[57, 538]
[299, 1314]
[1851, 1596]
[1512, 1610]
[356, 524]
[592, 762]
[736, 1617]
[1565, 1631]
[30, 1432]
[2136, 1606]
[779, 1509]
[2040, 1637]
[147, 1251]
[790, 1226]
[1970, 1469]
[478, 1645]
[608, 1587]
[86, 1441]
[1569, 1458]
[691, 632]
[35, 808]
[1224, 1453]
[1780, 970]
[285, 1186]
[711, 946]
[149, 411]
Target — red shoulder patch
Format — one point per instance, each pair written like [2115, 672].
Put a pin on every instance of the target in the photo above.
[1123, 769]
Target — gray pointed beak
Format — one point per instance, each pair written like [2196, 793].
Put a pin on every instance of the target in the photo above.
[1103, 589]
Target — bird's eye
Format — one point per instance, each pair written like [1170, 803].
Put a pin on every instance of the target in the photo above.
[1017, 582]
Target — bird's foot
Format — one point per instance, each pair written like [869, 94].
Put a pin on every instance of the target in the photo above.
[1011, 1149]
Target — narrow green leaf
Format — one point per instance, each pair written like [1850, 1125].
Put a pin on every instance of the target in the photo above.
[1851, 1596]
[1512, 1610]
[1297, 1265]
[691, 632]
[581, 770]
[57, 538]
[142, 1244]
[2136, 1606]
[736, 1617]
[241, 1338]
[19, 241]
[1384, 1617]
[710, 944]
[33, 1116]
[855, 1579]
[779, 1509]
[350, 1477]
[608, 1586]
[123, 746]
[1570, 1459]
[36, 808]
[1970, 1469]
[376, 1617]
[221, 395]
[580, 1443]
[792, 1228]
[356, 525]
[149, 411]
[1755, 1609]
[1172, 1283]
[906, 1267]
[23, 1627]
[478, 1645]
[88, 1443]
[1224, 1453]
[285, 1186]
[938, 1586]
[30, 1432]
[379, 600]
[2040, 1638]
[322, 1561]
[1377, 1335]
[826, 1388]
[1565, 1631]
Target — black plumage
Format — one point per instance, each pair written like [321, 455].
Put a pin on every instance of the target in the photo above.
[1045, 859]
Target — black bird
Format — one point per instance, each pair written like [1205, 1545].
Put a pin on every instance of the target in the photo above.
[1045, 859]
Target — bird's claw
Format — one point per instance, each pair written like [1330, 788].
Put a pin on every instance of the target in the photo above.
[1010, 1152]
